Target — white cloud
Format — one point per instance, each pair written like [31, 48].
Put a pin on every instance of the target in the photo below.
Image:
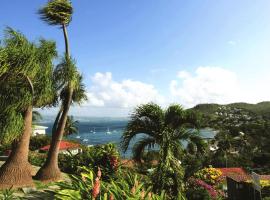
[207, 85]
[106, 92]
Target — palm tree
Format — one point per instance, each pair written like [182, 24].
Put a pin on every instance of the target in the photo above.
[25, 82]
[59, 13]
[36, 116]
[71, 126]
[153, 122]
[165, 128]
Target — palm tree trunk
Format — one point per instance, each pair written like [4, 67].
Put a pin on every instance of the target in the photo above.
[50, 170]
[66, 40]
[17, 171]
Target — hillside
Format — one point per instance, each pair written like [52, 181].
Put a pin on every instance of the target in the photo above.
[262, 108]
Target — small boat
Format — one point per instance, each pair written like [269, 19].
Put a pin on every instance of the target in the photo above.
[78, 137]
[93, 131]
[108, 131]
[85, 140]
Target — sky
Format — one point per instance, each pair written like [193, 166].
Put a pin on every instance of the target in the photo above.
[162, 51]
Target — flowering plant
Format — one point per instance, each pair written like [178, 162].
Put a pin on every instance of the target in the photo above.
[88, 187]
[211, 176]
[198, 189]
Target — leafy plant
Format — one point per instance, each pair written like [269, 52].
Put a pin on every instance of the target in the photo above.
[8, 195]
[88, 186]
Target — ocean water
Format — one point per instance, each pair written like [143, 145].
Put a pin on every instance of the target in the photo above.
[94, 131]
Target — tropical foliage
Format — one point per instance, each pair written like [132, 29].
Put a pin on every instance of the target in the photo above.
[71, 126]
[165, 128]
[90, 186]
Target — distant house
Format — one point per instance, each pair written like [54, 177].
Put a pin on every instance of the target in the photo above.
[65, 147]
[38, 130]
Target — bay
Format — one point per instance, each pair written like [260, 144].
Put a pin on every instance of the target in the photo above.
[96, 131]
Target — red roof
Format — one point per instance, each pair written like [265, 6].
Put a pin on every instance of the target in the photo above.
[64, 145]
[236, 173]
[239, 175]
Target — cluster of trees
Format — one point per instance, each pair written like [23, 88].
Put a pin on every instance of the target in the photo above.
[29, 79]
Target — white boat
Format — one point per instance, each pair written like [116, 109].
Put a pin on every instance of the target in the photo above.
[85, 140]
[93, 131]
[78, 137]
[108, 131]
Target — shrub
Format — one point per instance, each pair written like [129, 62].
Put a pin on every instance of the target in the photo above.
[209, 175]
[88, 186]
[36, 142]
[104, 156]
[36, 158]
[198, 189]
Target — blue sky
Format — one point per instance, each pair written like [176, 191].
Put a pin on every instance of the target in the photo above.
[165, 51]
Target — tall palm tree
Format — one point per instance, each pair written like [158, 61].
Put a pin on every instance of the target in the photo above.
[71, 126]
[26, 82]
[165, 128]
[59, 13]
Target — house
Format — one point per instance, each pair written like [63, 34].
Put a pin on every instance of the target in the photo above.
[239, 184]
[65, 147]
[38, 130]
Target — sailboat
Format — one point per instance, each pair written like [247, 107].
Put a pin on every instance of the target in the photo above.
[108, 131]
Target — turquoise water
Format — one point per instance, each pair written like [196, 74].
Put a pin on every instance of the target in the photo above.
[94, 131]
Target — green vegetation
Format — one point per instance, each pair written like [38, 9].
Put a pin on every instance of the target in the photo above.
[170, 158]
[165, 128]
[25, 82]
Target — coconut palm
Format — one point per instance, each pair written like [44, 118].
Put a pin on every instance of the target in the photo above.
[25, 82]
[165, 128]
[154, 122]
[71, 126]
[59, 13]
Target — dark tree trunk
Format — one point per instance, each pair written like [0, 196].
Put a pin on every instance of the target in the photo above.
[17, 171]
[50, 170]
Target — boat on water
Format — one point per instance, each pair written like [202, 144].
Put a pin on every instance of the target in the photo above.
[108, 131]
[85, 140]
[93, 131]
[78, 137]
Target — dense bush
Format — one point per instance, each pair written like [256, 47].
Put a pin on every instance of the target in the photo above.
[36, 158]
[104, 156]
[36, 142]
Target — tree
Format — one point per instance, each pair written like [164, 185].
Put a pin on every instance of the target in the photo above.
[59, 13]
[36, 116]
[165, 128]
[71, 126]
[25, 82]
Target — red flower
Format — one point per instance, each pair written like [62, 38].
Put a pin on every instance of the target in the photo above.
[96, 188]
[113, 161]
[111, 197]
[99, 173]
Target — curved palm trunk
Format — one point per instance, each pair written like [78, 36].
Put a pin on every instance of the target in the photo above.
[50, 170]
[17, 171]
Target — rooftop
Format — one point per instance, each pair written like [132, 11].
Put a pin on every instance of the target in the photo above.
[64, 145]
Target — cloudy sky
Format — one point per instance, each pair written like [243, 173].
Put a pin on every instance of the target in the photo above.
[164, 51]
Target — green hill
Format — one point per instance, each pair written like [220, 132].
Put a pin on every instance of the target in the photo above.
[262, 108]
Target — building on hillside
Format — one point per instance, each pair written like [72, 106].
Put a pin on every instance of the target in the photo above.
[38, 130]
[65, 147]
[239, 184]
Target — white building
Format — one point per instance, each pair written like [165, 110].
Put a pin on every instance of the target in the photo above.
[38, 130]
